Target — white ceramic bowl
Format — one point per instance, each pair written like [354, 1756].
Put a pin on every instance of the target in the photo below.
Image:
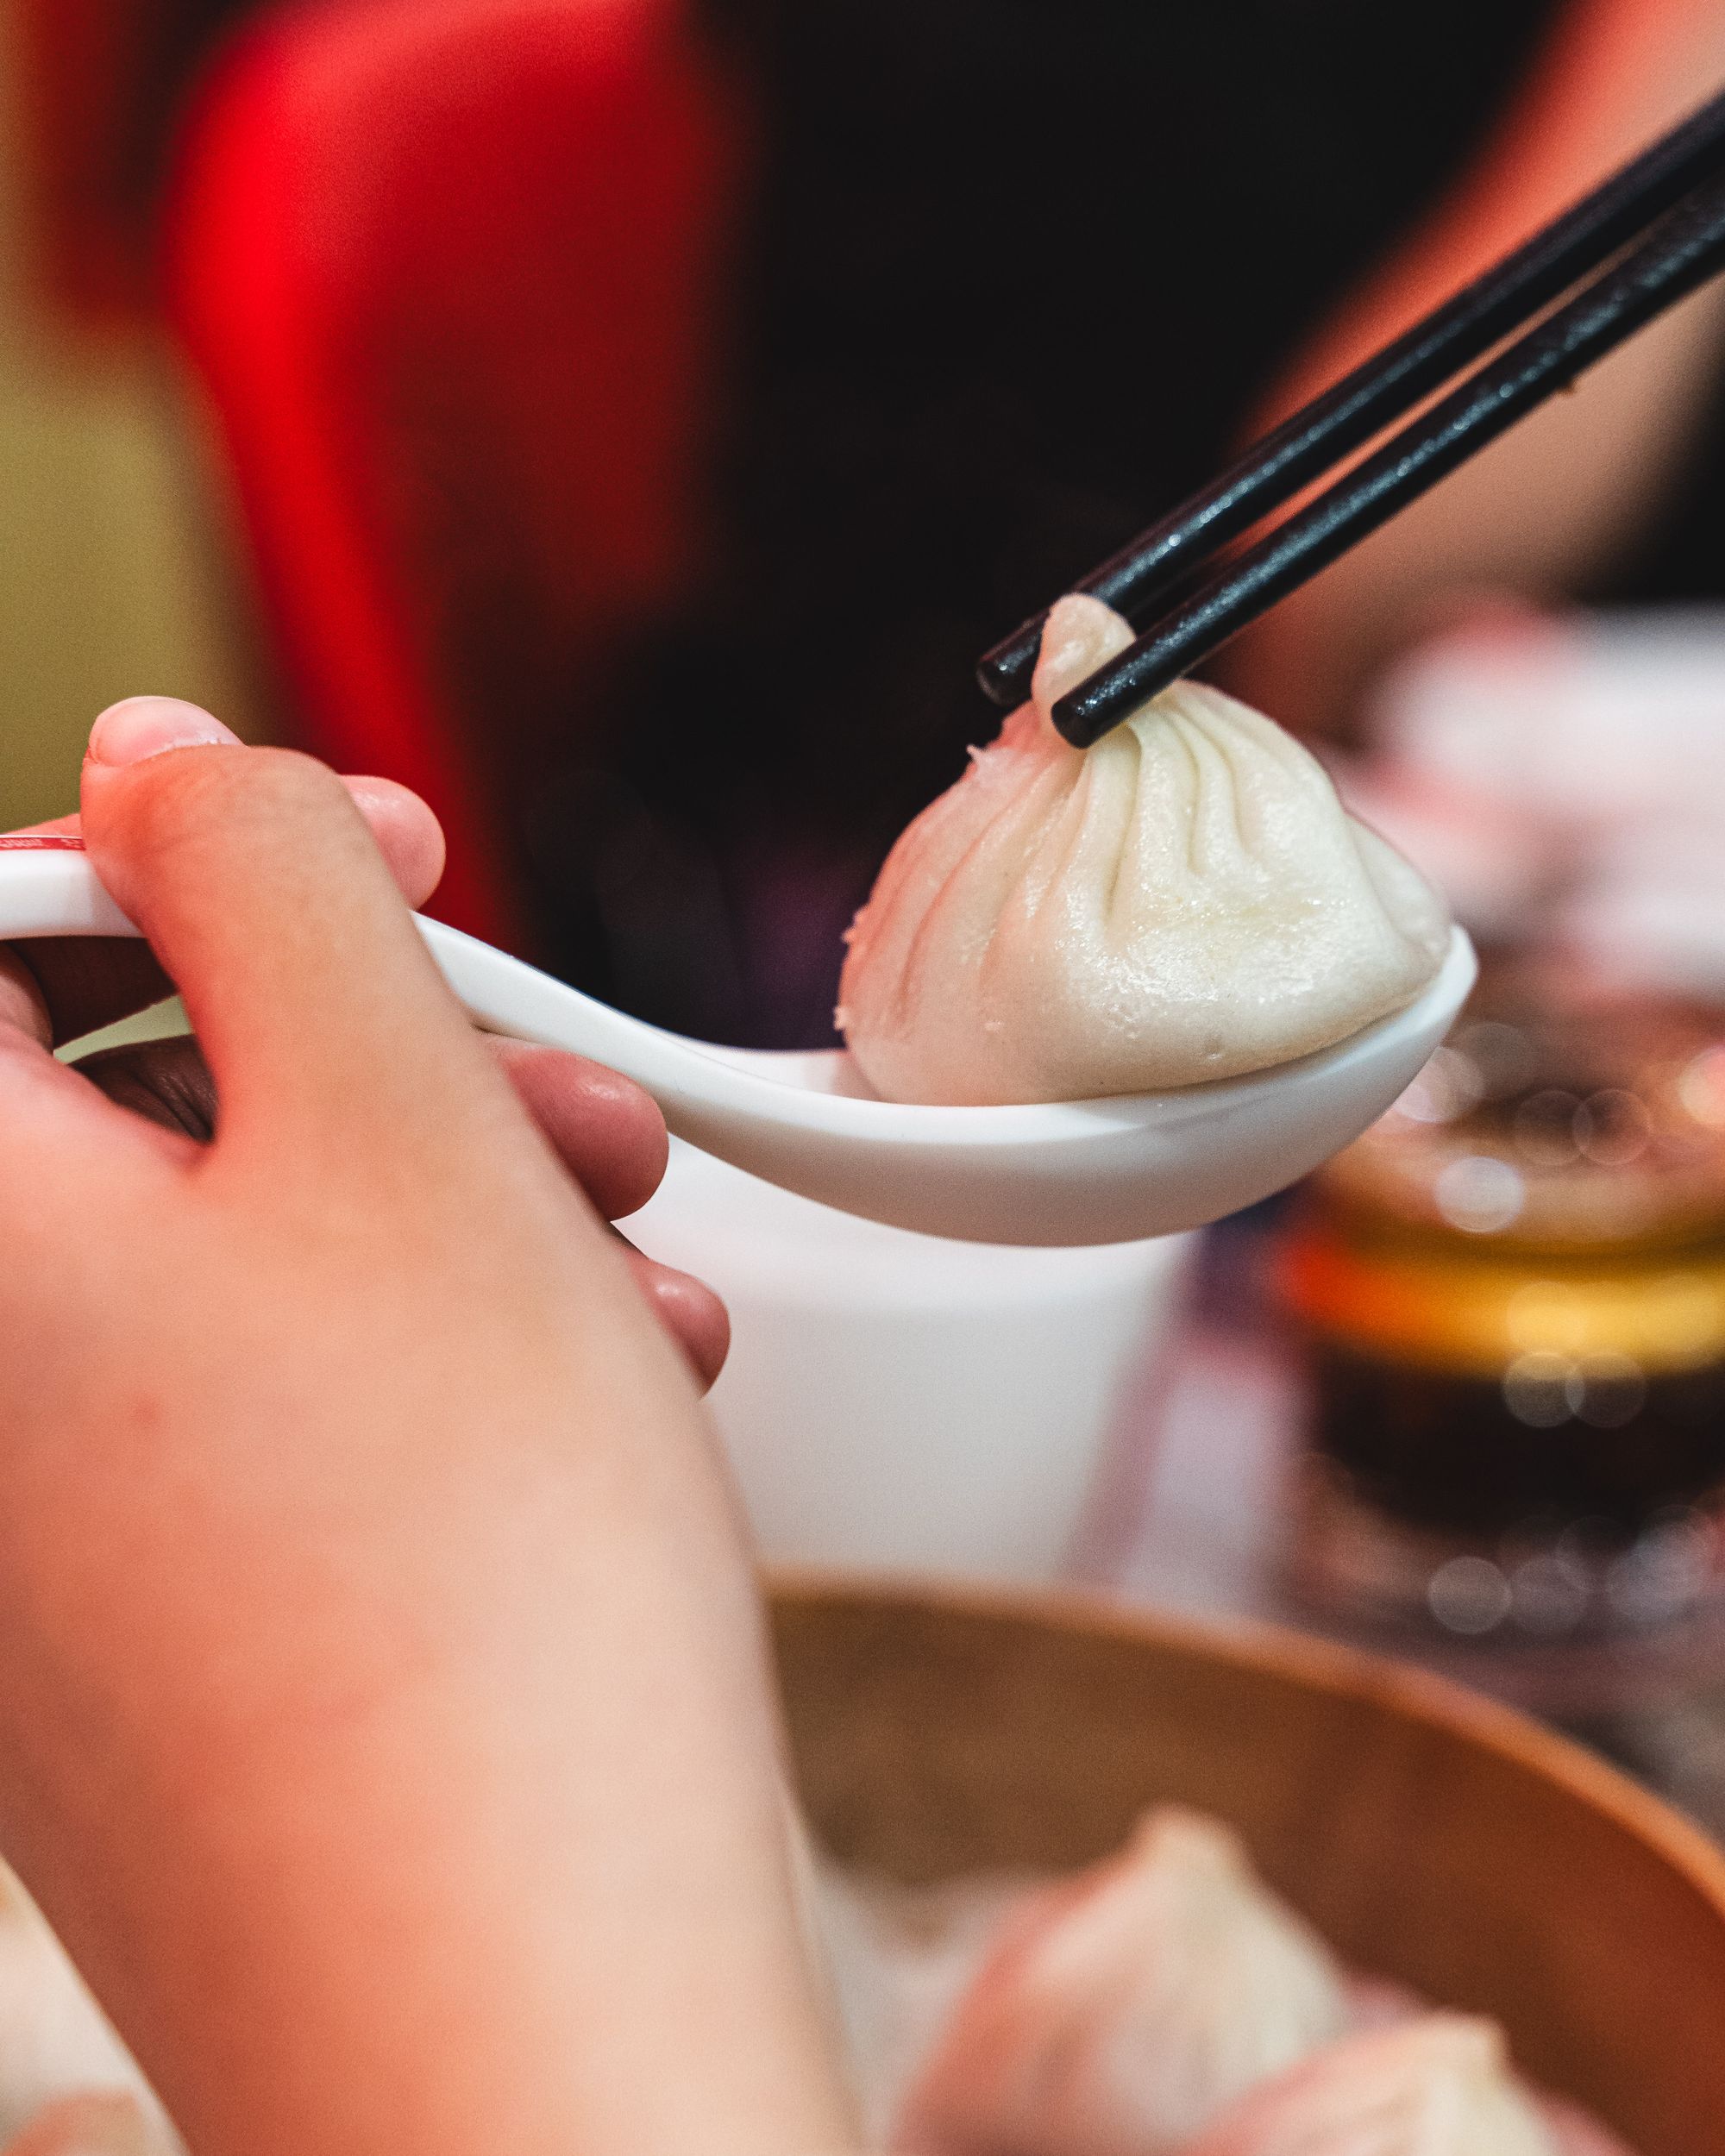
[897, 1401]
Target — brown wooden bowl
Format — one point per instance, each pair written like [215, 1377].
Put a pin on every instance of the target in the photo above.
[1431, 1836]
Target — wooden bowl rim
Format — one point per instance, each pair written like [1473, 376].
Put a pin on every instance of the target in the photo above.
[1317, 1665]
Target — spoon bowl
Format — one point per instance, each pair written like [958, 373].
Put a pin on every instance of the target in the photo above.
[1059, 1173]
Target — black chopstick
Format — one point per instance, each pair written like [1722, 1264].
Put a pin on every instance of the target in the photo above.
[1685, 249]
[1456, 333]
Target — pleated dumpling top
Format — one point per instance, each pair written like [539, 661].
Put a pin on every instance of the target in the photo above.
[1186, 900]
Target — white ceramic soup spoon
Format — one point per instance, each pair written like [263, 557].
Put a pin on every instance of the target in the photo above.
[1071, 1172]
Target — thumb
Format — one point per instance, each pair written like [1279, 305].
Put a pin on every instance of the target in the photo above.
[262, 892]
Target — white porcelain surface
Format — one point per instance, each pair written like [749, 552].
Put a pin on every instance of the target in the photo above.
[1072, 1173]
[897, 1401]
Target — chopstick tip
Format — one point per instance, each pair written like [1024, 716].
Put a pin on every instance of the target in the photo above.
[1004, 673]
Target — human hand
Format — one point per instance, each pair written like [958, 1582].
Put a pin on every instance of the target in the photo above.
[608, 1133]
[383, 1716]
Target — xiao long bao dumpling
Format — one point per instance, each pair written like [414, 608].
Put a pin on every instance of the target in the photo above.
[1438, 2086]
[1186, 900]
[1125, 2010]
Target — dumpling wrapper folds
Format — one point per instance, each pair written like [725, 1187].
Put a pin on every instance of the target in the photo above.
[1186, 900]
[1123, 2011]
[1439, 2086]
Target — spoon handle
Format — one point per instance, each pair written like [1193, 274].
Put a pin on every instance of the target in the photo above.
[48, 888]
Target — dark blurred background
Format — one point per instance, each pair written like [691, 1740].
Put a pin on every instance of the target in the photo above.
[629, 420]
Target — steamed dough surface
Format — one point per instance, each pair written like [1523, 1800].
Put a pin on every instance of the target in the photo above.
[1186, 900]
[1439, 2086]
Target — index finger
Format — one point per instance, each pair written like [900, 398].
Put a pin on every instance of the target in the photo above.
[318, 1006]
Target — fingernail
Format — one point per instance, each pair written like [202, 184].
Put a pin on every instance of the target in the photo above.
[145, 725]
